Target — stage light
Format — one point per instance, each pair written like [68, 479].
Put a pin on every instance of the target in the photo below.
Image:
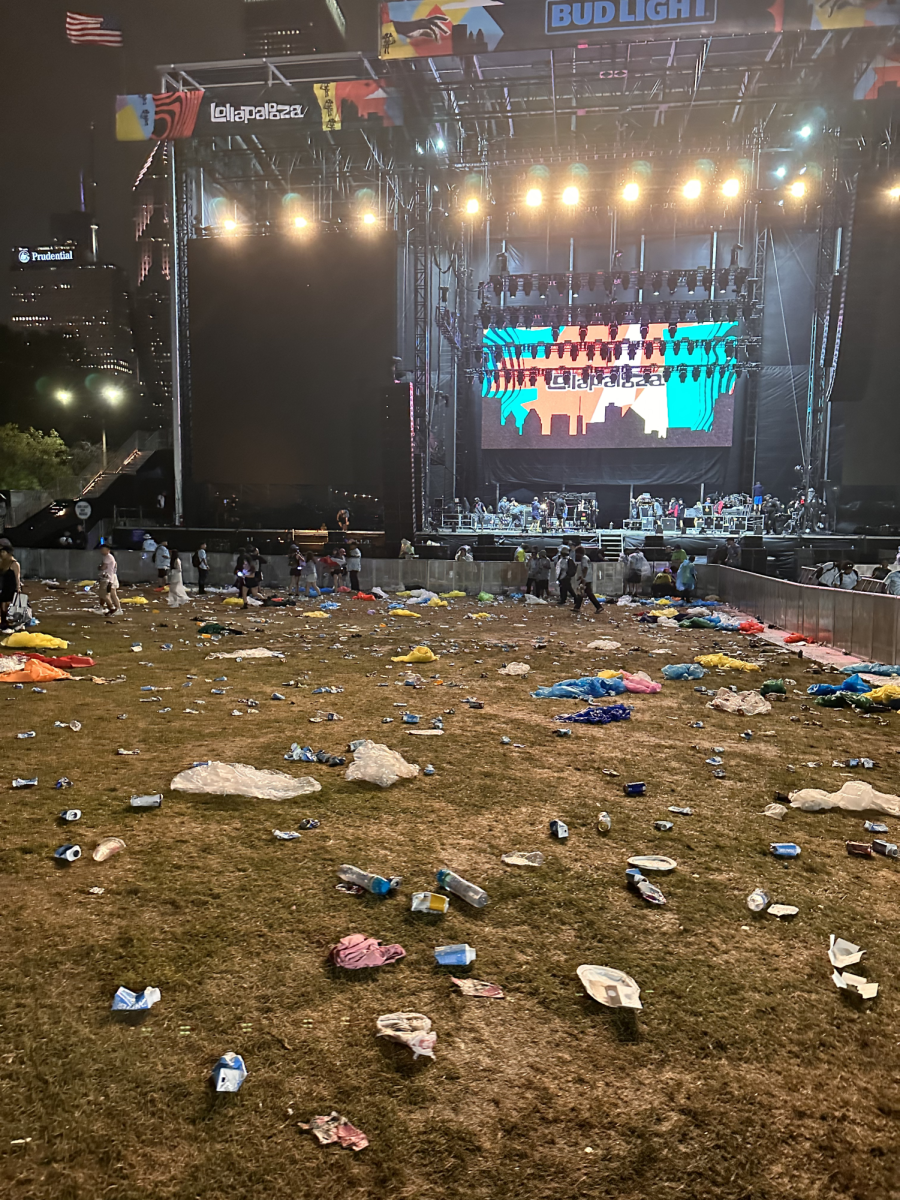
[631, 192]
[731, 188]
[798, 189]
[571, 195]
[440, 144]
[534, 197]
[368, 218]
[781, 172]
[64, 396]
[472, 206]
[112, 395]
[692, 189]
[894, 193]
[229, 226]
[300, 222]
[805, 131]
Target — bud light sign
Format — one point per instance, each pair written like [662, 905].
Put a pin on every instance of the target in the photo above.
[572, 16]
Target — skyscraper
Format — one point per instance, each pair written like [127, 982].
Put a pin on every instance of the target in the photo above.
[278, 28]
[152, 296]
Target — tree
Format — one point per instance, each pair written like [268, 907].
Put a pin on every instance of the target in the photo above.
[30, 459]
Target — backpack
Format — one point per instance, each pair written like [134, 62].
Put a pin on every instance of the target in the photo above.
[195, 559]
[571, 568]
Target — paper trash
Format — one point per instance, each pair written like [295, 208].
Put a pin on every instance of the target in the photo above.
[842, 953]
[608, 986]
[410, 1029]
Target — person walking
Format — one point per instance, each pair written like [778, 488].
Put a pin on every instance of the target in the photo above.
[163, 558]
[686, 579]
[295, 565]
[10, 579]
[309, 574]
[177, 592]
[565, 569]
[531, 573]
[108, 578]
[354, 565]
[542, 575]
[583, 580]
[201, 562]
[338, 568]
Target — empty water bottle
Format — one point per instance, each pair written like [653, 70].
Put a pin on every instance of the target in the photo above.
[459, 955]
[757, 901]
[461, 887]
[785, 849]
[430, 902]
[376, 884]
[146, 801]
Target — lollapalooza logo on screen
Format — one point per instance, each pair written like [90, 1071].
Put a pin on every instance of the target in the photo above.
[627, 14]
[230, 114]
[631, 389]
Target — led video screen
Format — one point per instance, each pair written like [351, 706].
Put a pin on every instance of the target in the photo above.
[609, 389]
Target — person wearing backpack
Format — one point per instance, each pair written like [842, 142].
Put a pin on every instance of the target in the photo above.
[565, 571]
[201, 562]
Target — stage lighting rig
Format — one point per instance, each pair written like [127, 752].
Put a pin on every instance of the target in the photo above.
[894, 193]
[690, 280]
[368, 219]
[672, 281]
[631, 192]
[692, 189]
[570, 195]
[797, 189]
[534, 197]
[731, 188]
[472, 206]
[695, 374]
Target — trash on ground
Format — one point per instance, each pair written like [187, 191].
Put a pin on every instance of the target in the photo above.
[854, 796]
[229, 1073]
[356, 951]
[645, 889]
[429, 902]
[457, 955]
[146, 801]
[683, 671]
[601, 715]
[663, 826]
[652, 862]
[106, 848]
[335, 1128]
[478, 987]
[606, 644]
[757, 901]
[67, 853]
[73, 725]
[785, 849]
[285, 835]
[70, 814]
[378, 885]
[863, 988]
[724, 663]
[634, 789]
[589, 687]
[681, 812]
[746, 704]
[608, 986]
[237, 779]
[421, 654]
[522, 858]
[774, 810]
[376, 763]
[860, 849]
[783, 911]
[887, 849]
[256, 652]
[128, 1001]
[514, 668]
[25, 783]
[604, 822]
[410, 1029]
[461, 887]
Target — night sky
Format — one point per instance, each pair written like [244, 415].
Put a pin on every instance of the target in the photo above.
[52, 91]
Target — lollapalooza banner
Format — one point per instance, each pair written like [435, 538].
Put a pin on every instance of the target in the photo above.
[329, 106]
[427, 29]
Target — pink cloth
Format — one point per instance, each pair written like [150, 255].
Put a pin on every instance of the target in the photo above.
[336, 1128]
[356, 950]
[640, 684]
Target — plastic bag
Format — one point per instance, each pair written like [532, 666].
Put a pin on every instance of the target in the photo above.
[410, 1029]
[604, 644]
[640, 683]
[724, 662]
[375, 763]
[514, 668]
[237, 779]
[602, 715]
[684, 671]
[870, 669]
[747, 704]
[854, 796]
[421, 654]
[590, 687]
[35, 641]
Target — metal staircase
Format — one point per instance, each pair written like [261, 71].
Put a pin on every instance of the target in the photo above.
[613, 542]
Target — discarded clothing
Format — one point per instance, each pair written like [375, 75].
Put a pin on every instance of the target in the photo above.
[214, 629]
[640, 684]
[601, 715]
[683, 671]
[66, 661]
[357, 951]
[871, 669]
[773, 687]
[724, 662]
[514, 668]
[854, 796]
[889, 693]
[421, 654]
[590, 687]
[604, 644]
[747, 704]
[852, 684]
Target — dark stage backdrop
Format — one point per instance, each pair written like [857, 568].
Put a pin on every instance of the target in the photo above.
[291, 345]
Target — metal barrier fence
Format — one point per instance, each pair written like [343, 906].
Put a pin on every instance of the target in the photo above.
[862, 623]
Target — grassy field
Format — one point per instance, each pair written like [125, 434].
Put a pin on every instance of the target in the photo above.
[747, 1076]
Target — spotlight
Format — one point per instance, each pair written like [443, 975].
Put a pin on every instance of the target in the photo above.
[571, 195]
[440, 144]
[692, 189]
[534, 197]
[112, 394]
[64, 396]
[894, 193]
[781, 172]
[472, 206]
[731, 188]
[300, 222]
[805, 131]
[229, 226]
[368, 218]
[631, 192]
[798, 189]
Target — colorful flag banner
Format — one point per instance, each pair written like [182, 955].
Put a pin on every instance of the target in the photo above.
[82, 29]
[370, 98]
[159, 118]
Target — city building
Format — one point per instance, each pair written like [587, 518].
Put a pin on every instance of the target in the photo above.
[277, 28]
[62, 288]
[152, 295]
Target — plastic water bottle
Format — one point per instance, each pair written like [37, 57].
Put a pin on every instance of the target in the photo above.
[376, 884]
[461, 887]
[430, 902]
[757, 901]
[459, 955]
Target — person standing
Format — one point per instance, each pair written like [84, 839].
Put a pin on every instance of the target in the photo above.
[177, 592]
[535, 514]
[163, 558]
[582, 580]
[309, 575]
[108, 578]
[201, 562]
[686, 579]
[338, 567]
[479, 513]
[732, 553]
[531, 572]
[295, 563]
[521, 554]
[354, 565]
[636, 570]
[565, 569]
[542, 575]
[10, 579]
[677, 557]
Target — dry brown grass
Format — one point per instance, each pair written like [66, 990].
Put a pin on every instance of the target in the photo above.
[746, 1077]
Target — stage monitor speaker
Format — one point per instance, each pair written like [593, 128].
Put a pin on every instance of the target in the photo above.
[654, 540]
[399, 466]
[486, 539]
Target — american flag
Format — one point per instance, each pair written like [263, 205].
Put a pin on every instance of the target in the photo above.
[98, 31]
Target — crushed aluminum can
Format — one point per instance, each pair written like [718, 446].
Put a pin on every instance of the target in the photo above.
[67, 853]
[505, 741]
[718, 773]
[888, 849]
[563, 732]
[70, 814]
[663, 826]
[64, 782]
[681, 812]
[146, 801]
[875, 827]
[25, 783]
[410, 719]
[604, 822]
[30, 734]
[228, 1073]
[286, 835]
[784, 849]
[635, 789]
[387, 720]
[429, 770]
[697, 725]
[715, 761]
[612, 774]
[128, 1001]
[860, 849]
[646, 890]
[308, 823]
[559, 830]
[277, 696]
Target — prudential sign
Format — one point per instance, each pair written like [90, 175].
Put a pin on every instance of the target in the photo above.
[572, 17]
